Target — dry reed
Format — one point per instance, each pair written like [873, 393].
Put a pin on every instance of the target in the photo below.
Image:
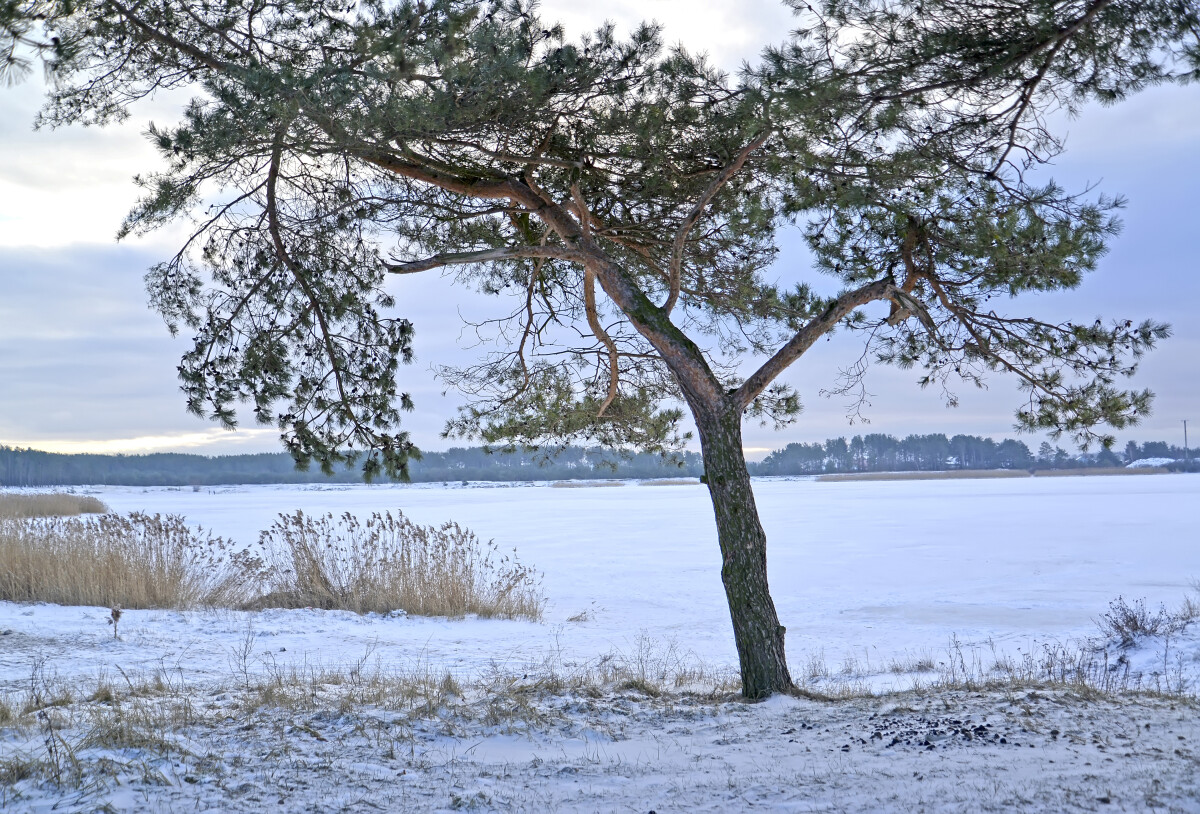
[390, 563]
[976, 474]
[1104, 470]
[954, 474]
[134, 561]
[56, 504]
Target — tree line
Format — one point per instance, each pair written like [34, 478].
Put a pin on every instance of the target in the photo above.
[875, 452]
[879, 452]
[29, 467]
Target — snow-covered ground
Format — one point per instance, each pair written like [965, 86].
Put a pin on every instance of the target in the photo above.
[881, 584]
[871, 571]
[1149, 463]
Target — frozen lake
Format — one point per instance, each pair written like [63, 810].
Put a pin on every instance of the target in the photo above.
[868, 570]
[863, 573]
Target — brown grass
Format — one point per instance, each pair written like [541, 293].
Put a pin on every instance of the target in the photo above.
[390, 563]
[56, 504]
[383, 565]
[956, 474]
[134, 561]
[1106, 470]
[584, 484]
[976, 474]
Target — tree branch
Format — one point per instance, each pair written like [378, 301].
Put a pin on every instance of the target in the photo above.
[676, 269]
[205, 59]
[486, 256]
[838, 310]
[589, 305]
[1060, 35]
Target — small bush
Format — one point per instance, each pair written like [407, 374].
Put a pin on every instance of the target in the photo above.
[134, 561]
[49, 505]
[1129, 622]
[390, 563]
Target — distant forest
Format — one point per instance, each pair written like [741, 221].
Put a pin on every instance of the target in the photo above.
[862, 453]
[27, 467]
[886, 453]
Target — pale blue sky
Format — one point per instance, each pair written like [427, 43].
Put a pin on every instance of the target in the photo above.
[85, 366]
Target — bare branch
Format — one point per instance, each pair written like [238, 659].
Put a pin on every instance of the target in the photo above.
[589, 305]
[511, 158]
[838, 310]
[200, 56]
[485, 256]
[731, 169]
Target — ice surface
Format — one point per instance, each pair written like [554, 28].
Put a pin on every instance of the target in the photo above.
[864, 573]
[871, 571]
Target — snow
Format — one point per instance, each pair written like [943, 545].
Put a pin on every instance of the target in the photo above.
[1148, 463]
[873, 571]
[868, 577]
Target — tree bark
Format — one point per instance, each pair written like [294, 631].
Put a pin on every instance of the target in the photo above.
[756, 630]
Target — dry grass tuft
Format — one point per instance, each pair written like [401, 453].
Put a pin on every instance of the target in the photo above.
[134, 561]
[585, 484]
[390, 563]
[55, 504]
[1129, 622]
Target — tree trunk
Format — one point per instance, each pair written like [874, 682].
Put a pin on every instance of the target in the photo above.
[756, 629]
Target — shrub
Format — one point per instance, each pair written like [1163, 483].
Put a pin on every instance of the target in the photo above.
[390, 563]
[134, 561]
[1129, 622]
[49, 505]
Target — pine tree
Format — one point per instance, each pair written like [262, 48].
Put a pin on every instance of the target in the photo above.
[626, 198]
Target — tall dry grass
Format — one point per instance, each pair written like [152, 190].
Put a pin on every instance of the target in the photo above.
[383, 564]
[133, 561]
[56, 504]
[975, 474]
[390, 563]
[951, 474]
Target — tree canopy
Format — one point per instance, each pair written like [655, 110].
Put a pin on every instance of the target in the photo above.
[331, 145]
[626, 198]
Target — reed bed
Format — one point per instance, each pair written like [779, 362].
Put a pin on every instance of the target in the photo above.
[385, 564]
[53, 504]
[131, 561]
[389, 563]
[978, 474]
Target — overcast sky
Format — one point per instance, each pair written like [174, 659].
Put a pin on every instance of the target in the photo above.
[84, 366]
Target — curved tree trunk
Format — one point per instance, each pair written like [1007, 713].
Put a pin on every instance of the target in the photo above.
[756, 629]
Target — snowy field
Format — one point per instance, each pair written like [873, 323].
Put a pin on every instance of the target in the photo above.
[883, 586]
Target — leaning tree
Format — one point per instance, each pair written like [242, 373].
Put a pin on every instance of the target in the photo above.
[625, 201]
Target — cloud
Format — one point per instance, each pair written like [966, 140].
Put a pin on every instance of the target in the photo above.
[729, 32]
[85, 365]
[82, 361]
[209, 442]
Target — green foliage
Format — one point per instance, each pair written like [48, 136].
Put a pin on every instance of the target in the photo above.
[548, 405]
[331, 145]
[25, 37]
